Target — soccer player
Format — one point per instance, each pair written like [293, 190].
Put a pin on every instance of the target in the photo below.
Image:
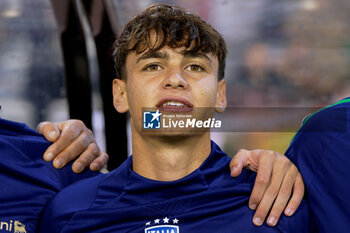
[172, 60]
[27, 182]
[321, 150]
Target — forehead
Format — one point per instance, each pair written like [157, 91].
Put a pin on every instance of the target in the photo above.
[160, 43]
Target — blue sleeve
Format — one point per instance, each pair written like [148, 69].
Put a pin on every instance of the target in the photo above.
[33, 145]
[321, 151]
[26, 186]
[27, 181]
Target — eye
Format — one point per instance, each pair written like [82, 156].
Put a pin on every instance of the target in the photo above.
[153, 67]
[195, 68]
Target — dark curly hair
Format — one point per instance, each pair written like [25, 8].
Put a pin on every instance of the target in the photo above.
[174, 27]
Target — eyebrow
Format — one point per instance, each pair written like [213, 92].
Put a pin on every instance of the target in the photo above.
[149, 55]
[189, 54]
[165, 56]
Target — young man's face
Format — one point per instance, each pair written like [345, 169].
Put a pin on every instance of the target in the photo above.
[169, 79]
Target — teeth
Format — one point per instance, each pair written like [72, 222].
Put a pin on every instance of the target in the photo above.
[173, 103]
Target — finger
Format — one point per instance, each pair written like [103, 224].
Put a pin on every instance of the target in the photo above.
[69, 134]
[100, 162]
[89, 155]
[73, 150]
[298, 194]
[50, 130]
[262, 179]
[271, 192]
[238, 162]
[283, 196]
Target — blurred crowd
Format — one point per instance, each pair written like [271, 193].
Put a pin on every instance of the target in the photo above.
[300, 56]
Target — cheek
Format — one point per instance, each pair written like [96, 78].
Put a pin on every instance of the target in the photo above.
[134, 95]
[207, 89]
[140, 93]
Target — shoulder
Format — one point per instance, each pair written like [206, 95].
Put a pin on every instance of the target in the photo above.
[321, 143]
[21, 151]
[300, 221]
[321, 129]
[23, 138]
[28, 147]
[82, 195]
[334, 118]
[320, 151]
[76, 197]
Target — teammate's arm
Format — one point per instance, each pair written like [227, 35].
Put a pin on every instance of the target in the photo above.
[278, 185]
[72, 140]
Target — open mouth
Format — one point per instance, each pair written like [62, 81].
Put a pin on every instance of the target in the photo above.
[174, 105]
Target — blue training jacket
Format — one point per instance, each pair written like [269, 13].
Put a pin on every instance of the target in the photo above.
[27, 182]
[207, 200]
[321, 151]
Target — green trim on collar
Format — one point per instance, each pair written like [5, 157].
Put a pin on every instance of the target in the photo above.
[347, 100]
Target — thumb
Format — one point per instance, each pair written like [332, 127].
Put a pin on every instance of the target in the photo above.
[238, 161]
[49, 130]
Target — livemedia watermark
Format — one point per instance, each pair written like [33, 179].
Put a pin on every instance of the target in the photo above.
[234, 119]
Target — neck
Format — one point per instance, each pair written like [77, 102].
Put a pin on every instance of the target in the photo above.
[169, 158]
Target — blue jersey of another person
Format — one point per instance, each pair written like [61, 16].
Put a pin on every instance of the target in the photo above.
[27, 182]
[321, 151]
[207, 200]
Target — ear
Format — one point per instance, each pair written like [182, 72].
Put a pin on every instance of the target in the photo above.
[120, 100]
[221, 101]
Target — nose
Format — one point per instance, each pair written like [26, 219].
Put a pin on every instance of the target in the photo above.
[175, 80]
